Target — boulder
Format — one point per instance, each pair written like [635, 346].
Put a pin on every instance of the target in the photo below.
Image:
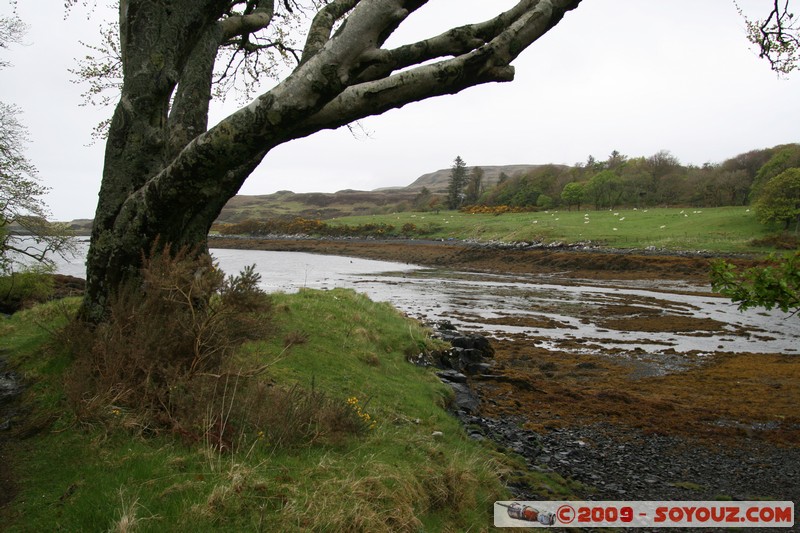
[465, 399]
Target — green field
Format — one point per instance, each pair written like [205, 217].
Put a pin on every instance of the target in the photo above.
[414, 470]
[722, 229]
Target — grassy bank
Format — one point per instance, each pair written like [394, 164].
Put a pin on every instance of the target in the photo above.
[722, 229]
[411, 469]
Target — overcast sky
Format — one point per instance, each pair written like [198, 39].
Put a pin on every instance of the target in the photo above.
[636, 76]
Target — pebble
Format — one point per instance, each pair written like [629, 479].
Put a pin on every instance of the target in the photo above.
[623, 463]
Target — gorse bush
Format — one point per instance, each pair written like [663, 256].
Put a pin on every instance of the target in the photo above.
[181, 320]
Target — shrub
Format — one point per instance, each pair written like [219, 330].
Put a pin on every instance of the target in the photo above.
[544, 201]
[168, 336]
[780, 241]
[409, 229]
[18, 289]
[235, 411]
[295, 416]
[164, 361]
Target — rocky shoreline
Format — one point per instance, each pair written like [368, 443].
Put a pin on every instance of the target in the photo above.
[605, 461]
[580, 246]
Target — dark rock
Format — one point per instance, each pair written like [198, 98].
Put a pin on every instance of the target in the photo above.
[469, 355]
[424, 359]
[478, 368]
[452, 376]
[465, 399]
[445, 325]
[465, 342]
[618, 461]
[482, 344]
[9, 386]
[478, 343]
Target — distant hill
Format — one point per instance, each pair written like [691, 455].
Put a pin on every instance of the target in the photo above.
[81, 226]
[437, 182]
[349, 202]
[321, 205]
[315, 205]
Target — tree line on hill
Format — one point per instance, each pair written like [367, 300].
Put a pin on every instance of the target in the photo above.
[768, 178]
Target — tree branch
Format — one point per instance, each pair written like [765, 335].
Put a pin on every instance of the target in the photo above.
[322, 26]
[188, 116]
[310, 100]
[454, 42]
[777, 37]
[156, 184]
[487, 63]
[258, 16]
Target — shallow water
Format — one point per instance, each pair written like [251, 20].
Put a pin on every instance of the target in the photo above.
[577, 312]
[644, 320]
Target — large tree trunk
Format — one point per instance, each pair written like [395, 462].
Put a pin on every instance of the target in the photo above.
[139, 143]
[167, 177]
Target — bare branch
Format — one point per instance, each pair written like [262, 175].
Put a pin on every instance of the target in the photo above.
[777, 37]
[12, 31]
[101, 68]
